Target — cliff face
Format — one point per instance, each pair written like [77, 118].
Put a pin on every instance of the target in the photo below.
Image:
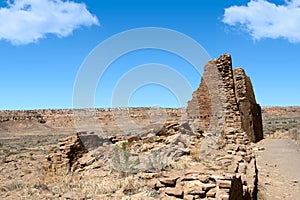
[225, 101]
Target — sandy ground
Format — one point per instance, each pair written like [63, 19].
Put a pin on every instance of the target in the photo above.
[279, 169]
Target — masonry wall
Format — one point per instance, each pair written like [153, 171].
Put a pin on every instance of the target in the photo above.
[199, 108]
[225, 100]
[214, 102]
[250, 110]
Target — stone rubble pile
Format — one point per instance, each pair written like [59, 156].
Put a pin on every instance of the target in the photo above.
[230, 174]
[67, 155]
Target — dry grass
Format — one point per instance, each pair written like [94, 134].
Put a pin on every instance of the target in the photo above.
[260, 193]
[12, 185]
[84, 186]
[182, 164]
[195, 151]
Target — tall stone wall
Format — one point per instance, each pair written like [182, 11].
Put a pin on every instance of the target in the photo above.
[199, 109]
[214, 102]
[225, 101]
[250, 110]
[230, 107]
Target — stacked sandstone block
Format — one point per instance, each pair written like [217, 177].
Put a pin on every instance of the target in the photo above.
[225, 100]
[64, 158]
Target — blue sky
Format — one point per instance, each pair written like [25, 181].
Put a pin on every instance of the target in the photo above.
[44, 43]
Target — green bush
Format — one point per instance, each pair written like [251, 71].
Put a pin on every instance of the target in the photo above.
[157, 162]
[221, 142]
[122, 160]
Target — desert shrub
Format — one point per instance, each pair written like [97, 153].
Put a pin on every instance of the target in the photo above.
[261, 192]
[221, 142]
[294, 134]
[13, 185]
[183, 163]
[157, 162]
[6, 154]
[122, 160]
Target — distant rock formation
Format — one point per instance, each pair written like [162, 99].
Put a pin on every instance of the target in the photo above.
[225, 101]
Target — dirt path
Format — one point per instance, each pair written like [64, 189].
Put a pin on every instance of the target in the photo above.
[279, 169]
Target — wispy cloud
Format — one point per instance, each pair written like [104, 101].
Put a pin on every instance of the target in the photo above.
[27, 21]
[263, 19]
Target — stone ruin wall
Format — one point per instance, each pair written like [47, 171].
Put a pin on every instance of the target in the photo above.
[214, 100]
[224, 102]
[199, 112]
[225, 99]
[251, 116]
[224, 108]
[230, 107]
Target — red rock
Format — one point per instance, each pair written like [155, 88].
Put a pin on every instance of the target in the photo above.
[224, 183]
[177, 192]
[188, 197]
[169, 181]
[132, 138]
[155, 184]
[211, 193]
[196, 191]
[208, 186]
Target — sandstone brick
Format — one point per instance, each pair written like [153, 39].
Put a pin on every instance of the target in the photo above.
[196, 191]
[224, 183]
[177, 192]
[250, 110]
[132, 138]
[211, 193]
[225, 98]
[66, 158]
[208, 186]
[169, 181]
[188, 197]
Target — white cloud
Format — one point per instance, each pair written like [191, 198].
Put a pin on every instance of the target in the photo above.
[263, 19]
[27, 21]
